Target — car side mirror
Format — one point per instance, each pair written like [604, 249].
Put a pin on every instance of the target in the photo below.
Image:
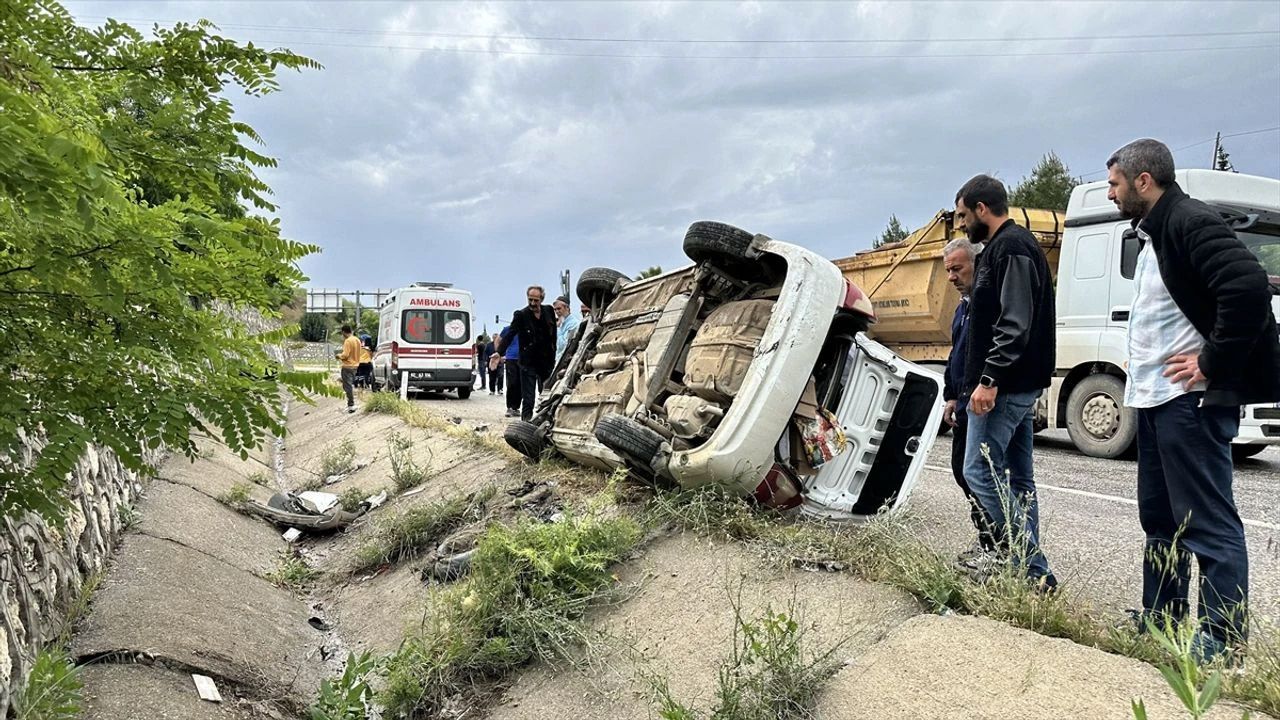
[1130, 246]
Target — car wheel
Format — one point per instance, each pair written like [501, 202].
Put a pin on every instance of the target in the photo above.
[464, 393]
[525, 438]
[1097, 420]
[717, 243]
[1241, 452]
[629, 439]
[599, 285]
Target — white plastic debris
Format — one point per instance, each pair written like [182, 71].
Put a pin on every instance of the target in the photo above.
[292, 534]
[206, 688]
[376, 500]
[321, 502]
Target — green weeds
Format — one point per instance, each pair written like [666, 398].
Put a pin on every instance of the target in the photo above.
[405, 471]
[349, 697]
[338, 460]
[418, 529]
[53, 689]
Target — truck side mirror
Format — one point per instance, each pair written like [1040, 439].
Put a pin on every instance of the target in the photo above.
[1130, 245]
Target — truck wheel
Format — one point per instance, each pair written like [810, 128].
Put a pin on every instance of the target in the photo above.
[1097, 420]
[717, 243]
[464, 393]
[1240, 452]
[525, 438]
[630, 439]
[597, 284]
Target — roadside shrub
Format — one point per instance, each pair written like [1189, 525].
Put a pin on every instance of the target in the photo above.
[405, 471]
[338, 460]
[529, 586]
[53, 689]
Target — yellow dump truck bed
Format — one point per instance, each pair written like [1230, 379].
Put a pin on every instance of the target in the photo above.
[906, 282]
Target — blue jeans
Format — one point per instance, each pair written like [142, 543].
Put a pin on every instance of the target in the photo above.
[1186, 507]
[1005, 485]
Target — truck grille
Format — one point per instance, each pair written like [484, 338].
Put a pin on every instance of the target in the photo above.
[1270, 413]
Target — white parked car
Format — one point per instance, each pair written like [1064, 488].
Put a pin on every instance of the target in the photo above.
[746, 369]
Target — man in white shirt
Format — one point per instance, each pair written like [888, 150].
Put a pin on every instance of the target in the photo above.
[1202, 342]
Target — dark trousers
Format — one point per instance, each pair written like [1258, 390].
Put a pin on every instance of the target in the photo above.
[348, 385]
[513, 385]
[977, 515]
[530, 381]
[483, 370]
[1186, 507]
[495, 378]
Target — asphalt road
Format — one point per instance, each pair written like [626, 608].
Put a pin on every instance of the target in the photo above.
[1088, 510]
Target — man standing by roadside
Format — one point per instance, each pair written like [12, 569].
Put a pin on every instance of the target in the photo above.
[482, 359]
[1008, 362]
[1202, 342]
[508, 363]
[535, 328]
[566, 326]
[957, 259]
[349, 356]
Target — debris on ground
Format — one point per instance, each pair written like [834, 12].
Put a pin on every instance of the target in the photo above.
[207, 689]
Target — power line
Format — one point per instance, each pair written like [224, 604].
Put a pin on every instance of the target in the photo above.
[1202, 142]
[711, 41]
[862, 56]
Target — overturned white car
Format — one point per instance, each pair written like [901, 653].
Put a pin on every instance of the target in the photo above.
[746, 369]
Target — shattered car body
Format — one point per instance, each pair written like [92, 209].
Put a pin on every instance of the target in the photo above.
[747, 369]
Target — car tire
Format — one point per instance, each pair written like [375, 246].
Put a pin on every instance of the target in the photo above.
[630, 439]
[1242, 452]
[525, 438]
[717, 243]
[599, 285]
[464, 393]
[1097, 420]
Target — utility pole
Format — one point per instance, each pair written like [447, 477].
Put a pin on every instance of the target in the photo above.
[564, 283]
[1217, 143]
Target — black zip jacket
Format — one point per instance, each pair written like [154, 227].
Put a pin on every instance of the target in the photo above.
[1011, 314]
[537, 339]
[1221, 287]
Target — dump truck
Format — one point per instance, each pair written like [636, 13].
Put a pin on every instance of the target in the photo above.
[1091, 260]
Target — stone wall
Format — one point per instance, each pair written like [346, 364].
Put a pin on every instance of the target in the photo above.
[43, 569]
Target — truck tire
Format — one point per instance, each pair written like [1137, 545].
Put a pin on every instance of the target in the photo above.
[1097, 420]
[464, 393]
[1241, 452]
[629, 439]
[525, 438]
[717, 243]
[597, 284]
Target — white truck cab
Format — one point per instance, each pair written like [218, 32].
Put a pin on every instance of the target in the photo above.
[424, 339]
[1094, 294]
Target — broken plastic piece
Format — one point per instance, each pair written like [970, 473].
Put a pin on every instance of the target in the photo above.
[292, 534]
[206, 688]
[320, 502]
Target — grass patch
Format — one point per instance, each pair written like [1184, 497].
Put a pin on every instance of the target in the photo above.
[529, 587]
[348, 697]
[418, 529]
[405, 471]
[129, 517]
[386, 403]
[338, 460]
[53, 689]
[771, 672]
[259, 478]
[238, 495]
[293, 572]
[352, 498]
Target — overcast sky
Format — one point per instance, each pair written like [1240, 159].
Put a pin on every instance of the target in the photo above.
[419, 153]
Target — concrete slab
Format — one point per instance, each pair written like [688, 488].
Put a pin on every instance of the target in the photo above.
[145, 692]
[216, 474]
[374, 614]
[681, 619]
[177, 603]
[176, 512]
[939, 668]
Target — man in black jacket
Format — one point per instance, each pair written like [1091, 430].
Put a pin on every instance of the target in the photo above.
[1008, 362]
[1202, 342]
[535, 326]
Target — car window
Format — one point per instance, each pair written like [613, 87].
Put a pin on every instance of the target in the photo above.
[436, 327]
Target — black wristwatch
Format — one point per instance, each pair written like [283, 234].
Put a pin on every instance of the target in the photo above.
[987, 381]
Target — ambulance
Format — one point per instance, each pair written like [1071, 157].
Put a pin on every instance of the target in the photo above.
[424, 339]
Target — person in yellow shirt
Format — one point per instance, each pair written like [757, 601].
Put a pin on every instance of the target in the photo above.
[364, 371]
[349, 356]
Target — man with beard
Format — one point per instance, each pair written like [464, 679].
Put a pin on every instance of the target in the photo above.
[1202, 342]
[535, 328]
[1008, 362]
[957, 259]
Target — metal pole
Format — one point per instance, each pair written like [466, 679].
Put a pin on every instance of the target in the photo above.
[1217, 143]
[357, 327]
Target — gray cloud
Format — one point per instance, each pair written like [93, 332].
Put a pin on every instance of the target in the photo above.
[495, 171]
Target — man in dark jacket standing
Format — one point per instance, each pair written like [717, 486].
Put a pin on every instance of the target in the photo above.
[1202, 342]
[535, 326]
[958, 260]
[1008, 362]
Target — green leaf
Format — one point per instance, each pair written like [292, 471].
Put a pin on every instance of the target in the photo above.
[1209, 693]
